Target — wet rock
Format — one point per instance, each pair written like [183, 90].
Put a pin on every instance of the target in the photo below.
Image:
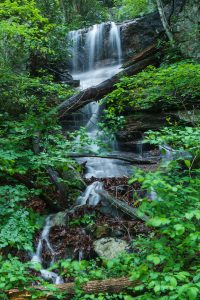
[140, 122]
[140, 33]
[72, 174]
[110, 248]
[117, 233]
[60, 219]
[185, 28]
[137, 147]
[110, 211]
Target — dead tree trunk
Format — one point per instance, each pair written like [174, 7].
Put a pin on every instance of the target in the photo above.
[98, 92]
[165, 21]
[114, 285]
[122, 206]
[113, 156]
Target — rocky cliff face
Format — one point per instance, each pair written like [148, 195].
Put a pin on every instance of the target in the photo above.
[184, 19]
[140, 33]
[185, 27]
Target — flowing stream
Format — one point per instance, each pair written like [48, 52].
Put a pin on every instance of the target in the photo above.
[102, 60]
[96, 56]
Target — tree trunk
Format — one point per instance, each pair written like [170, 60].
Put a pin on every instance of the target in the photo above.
[114, 285]
[98, 92]
[113, 156]
[122, 206]
[165, 22]
[149, 51]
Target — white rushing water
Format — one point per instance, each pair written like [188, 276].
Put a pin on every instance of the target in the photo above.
[91, 196]
[96, 76]
[115, 40]
[44, 240]
[90, 47]
[75, 38]
[94, 44]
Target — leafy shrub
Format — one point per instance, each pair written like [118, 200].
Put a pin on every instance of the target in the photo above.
[173, 86]
[17, 224]
[22, 93]
[13, 273]
[179, 138]
[129, 9]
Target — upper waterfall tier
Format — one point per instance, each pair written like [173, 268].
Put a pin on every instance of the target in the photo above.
[90, 46]
[109, 42]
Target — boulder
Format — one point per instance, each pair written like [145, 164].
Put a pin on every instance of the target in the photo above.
[140, 33]
[110, 248]
[140, 122]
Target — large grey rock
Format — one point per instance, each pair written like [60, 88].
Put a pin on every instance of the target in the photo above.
[140, 33]
[110, 248]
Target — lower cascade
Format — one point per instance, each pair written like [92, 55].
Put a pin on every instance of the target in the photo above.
[37, 257]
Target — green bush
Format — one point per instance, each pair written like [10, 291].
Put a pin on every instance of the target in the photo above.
[129, 9]
[17, 224]
[167, 87]
[13, 273]
[179, 138]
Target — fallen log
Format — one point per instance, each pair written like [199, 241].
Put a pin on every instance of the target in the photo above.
[149, 51]
[121, 205]
[114, 285]
[99, 91]
[113, 156]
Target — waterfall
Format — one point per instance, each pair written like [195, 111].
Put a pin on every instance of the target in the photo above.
[90, 196]
[51, 220]
[115, 40]
[94, 45]
[91, 46]
[101, 52]
[75, 39]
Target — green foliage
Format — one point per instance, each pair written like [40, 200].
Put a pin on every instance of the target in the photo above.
[180, 138]
[168, 263]
[85, 220]
[13, 273]
[113, 122]
[129, 9]
[23, 31]
[75, 13]
[172, 86]
[20, 93]
[17, 224]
